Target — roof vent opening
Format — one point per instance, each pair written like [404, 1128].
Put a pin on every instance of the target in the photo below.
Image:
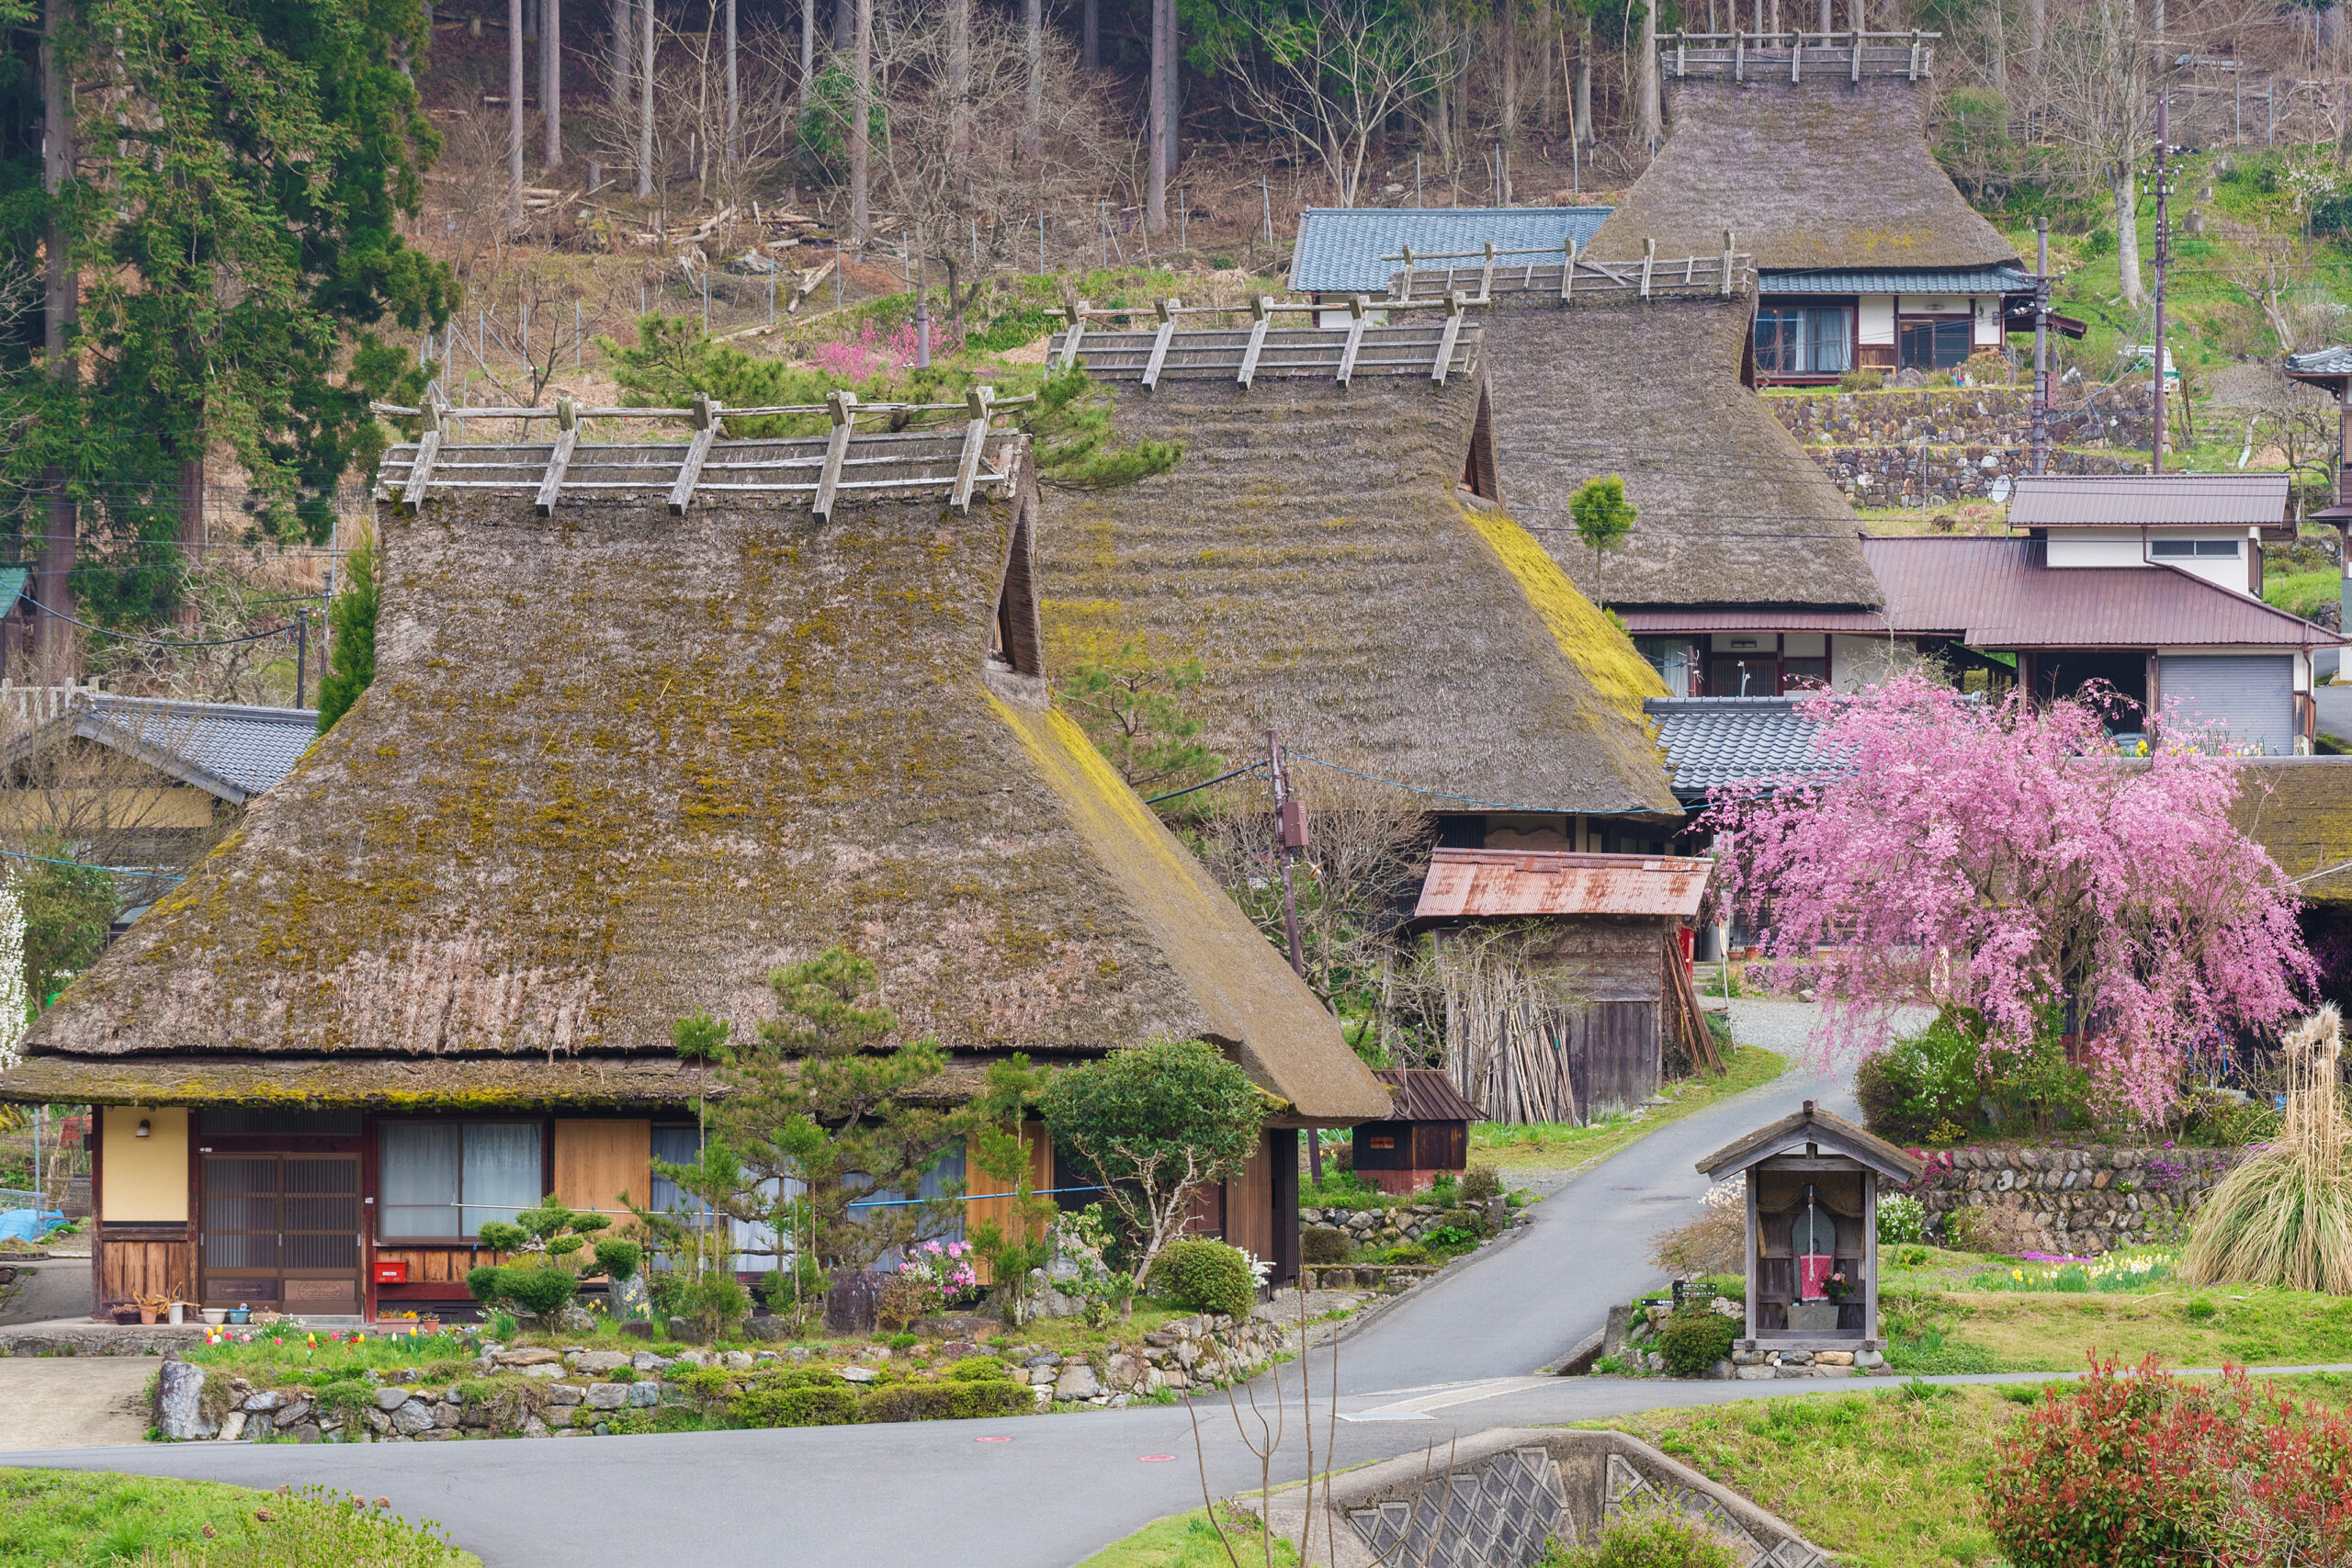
[1478, 472]
[1016, 638]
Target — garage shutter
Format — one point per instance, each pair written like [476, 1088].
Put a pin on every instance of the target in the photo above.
[2250, 698]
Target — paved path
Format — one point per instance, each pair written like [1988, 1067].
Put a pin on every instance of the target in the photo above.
[72, 1402]
[46, 1289]
[2334, 706]
[1453, 1358]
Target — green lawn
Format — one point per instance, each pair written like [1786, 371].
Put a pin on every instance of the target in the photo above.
[1190, 1541]
[1556, 1145]
[63, 1519]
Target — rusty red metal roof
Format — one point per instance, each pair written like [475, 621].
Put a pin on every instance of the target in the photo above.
[2155, 501]
[1473, 883]
[1998, 593]
[1426, 1094]
[1652, 623]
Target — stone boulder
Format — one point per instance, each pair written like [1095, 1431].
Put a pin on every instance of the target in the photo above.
[591, 1362]
[179, 1405]
[1077, 1381]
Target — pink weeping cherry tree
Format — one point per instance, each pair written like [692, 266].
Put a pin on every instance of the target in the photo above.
[1998, 860]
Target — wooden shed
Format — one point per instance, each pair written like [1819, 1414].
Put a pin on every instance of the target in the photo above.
[1812, 1247]
[1428, 1132]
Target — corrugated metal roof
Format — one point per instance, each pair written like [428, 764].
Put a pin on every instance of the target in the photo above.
[1426, 1094]
[2334, 360]
[1998, 593]
[1723, 743]
[228, 749]
[1340, 249]
[12, 584]
[1558, 882]
[2173, 500]
[1655, 623]
[1896, 280]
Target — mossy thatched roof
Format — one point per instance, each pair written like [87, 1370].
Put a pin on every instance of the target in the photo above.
[1823, 172]
[1732, 510]
[2300, 809]
[1313, 552]
[615, 766]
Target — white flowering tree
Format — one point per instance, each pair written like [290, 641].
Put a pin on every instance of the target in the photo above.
[14, 1005]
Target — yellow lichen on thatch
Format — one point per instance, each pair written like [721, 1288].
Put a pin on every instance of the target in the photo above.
[1590, 640]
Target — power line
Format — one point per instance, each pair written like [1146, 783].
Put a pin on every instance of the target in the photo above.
[156, 641]
[110, 870]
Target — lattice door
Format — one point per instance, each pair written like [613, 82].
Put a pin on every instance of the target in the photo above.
[282, 1231]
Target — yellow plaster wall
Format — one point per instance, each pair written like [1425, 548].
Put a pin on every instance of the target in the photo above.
[144, 1178]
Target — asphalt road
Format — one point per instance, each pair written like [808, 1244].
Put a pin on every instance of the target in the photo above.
[2335, 704]
[1454, 1357]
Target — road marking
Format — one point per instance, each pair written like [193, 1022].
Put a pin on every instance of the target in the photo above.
[1462, 1394]
[1155, 1459]
[992, 1439]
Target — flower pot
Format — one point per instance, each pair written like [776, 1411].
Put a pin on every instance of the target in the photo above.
[216, 1316]
[428, 1325]
[177, 1312]
[240, 1315]
[146, 1315]
[125, 1315]
[1813, 1317]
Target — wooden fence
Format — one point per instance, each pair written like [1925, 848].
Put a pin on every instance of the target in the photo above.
[1565, 271]
[1791, 56]
[1436, 338]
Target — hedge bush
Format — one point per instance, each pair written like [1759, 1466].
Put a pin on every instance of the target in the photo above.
[1650, 1539]
[1481, 1182]
[1206, 1275]
[950, 1401]
[977, 1369]
[799, 1404]
[1695, 1340]
[1323, 1243]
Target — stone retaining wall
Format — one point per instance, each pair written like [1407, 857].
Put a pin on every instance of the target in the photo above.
[1944, 476]
[1869, 442]
[2073, 1202]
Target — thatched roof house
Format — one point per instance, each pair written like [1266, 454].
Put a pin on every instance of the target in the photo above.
[615, 766]
[1344, 562]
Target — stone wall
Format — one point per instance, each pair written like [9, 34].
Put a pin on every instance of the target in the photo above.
[2073, 1202]
[1869, 442]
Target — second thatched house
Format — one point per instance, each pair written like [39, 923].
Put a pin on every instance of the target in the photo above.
[621, 759]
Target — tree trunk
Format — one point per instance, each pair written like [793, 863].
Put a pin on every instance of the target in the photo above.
[2037, 29]
[1155, 181]
[56, 656]
[734, 97]
[2127, 235]
[1091, 35]
[1649, 127]
[844, 24]
[190, 505]
[1510, 46]
[1033, 124]
[860, 112]
[1584, 83]
[1998, 43]
[1175, 71]
[515, 110]
[624, 53]
[645, 100]
[808, 53]
[551, 77]
[960, 78]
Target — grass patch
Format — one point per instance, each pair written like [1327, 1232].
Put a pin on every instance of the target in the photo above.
[63, 1518]
[1190, 1541]
[1932, 1332]
[1554, 1146]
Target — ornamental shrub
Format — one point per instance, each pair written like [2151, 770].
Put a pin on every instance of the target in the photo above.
[1481, 1182]
[1208, 1276]
[805, 1404]
[1650, 1538]
[1900, 1218]
[1469, 1220]
[977, 1369]
[1694, 1339]
[1322, 1244]
[949, 1401]
[541, 1289]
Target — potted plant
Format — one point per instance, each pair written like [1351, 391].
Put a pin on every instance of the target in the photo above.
[151, 1307]
[1837, 1288]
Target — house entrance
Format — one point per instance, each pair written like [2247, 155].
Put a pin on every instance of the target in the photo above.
[281, 1231]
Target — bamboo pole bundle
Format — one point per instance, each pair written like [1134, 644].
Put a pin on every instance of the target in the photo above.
[1506, 1032]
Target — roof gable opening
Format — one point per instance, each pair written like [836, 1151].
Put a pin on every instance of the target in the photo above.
[1479, 470]
[1016, 638]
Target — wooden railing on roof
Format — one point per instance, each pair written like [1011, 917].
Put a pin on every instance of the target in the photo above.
[822, 468]
[1561, 269]
[1767, 56]
[1368, 342]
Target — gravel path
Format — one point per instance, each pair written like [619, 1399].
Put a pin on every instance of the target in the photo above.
[1786, 1026]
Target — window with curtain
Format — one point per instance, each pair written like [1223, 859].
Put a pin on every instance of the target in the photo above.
[1808, 340]
[437, 1180]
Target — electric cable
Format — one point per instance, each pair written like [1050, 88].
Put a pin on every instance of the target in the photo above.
[157, 641]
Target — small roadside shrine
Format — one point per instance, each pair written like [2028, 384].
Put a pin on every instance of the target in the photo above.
[1812, 1248]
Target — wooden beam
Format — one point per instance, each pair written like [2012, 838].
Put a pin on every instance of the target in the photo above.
[1444, 363]
[420, 472]
[1408, 272]
[1915, 54]
[1259, 308]
[842, 406]
[1486, 275]
[1728, 259]
[1168, 309]
[1077, 314]
[1356, 304]
[567, 417]
[1568, 270]
[682, 493]
[978, 402]
[1649, 260]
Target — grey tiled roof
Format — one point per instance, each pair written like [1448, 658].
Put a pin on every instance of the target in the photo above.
[2335, 360]
[1711, 743]
[225, 748]
[1340, 249]
[1898, 280]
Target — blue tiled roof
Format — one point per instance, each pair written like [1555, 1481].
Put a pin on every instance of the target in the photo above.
[226, 748]
[2333, 361]
[1340, 249]
[1899, 280]
[1711, 743]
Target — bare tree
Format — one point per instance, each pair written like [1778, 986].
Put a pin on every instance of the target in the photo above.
[2277, 271]
[2095, 81]
[1334, 78]
[860, 115]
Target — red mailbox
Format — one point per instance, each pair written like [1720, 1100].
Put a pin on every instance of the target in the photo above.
[390, 1273]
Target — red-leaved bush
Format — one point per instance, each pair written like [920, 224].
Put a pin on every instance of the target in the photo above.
[2142, 1470]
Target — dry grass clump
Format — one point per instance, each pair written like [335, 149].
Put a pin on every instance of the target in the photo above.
[1714, 1243]
[2285, 1216]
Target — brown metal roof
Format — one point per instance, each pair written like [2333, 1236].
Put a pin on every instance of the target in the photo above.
[1426, 1094]
[1814, 1125]
[2156, 501]
[1650, 622]
[1557, 881]
[1998, 593]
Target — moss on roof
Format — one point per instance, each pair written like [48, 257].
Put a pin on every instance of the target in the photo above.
[1590, 639]
[615, 766]
[1311, 552]
[2300, 809]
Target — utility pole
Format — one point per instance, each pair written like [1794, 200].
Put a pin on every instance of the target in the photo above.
[1290, 820]
[645, 101]
[302, 654]
[2041, 462]
[515, 111]
[2164, 253]
[551, 77]
[54, 652]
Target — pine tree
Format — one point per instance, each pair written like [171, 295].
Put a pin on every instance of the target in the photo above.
[351, 664]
